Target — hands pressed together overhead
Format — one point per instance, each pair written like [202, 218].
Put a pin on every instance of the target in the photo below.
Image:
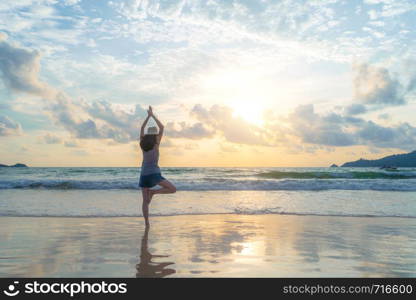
[150, 111]
[158, 123]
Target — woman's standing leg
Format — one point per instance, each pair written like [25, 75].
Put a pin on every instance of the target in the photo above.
[145, 205]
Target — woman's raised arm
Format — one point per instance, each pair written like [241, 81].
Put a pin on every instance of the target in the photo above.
[159, 124]
[145, 123]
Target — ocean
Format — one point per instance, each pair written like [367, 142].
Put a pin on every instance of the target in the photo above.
[114, 192]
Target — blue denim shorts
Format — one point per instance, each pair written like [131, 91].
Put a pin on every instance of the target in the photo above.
[148, 181]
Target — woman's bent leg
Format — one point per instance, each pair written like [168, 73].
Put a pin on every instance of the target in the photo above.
[145, 205]
[167, 187]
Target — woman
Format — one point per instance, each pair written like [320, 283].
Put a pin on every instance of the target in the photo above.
[150, 175]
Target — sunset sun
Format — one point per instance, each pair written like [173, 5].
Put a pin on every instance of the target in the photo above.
[250, 112]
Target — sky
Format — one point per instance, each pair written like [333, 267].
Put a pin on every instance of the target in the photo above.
[236, 83]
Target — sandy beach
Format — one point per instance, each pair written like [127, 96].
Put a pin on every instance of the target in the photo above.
[208, 246]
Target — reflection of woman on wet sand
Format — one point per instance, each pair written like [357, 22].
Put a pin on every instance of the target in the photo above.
[147, 268]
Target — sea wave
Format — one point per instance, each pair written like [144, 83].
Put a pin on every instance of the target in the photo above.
[307, 184]
[337, 175]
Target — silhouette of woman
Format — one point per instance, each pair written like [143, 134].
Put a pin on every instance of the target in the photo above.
[150, 174]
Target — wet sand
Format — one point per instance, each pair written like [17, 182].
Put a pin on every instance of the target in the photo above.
[208, 246]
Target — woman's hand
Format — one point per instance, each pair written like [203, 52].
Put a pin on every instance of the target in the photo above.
[150, 111]
[149, 115]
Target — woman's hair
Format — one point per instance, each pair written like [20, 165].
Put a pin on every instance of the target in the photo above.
[148, 142]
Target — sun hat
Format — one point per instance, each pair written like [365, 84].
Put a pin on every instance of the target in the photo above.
[152, 130]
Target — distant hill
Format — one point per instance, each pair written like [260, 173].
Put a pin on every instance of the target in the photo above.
[396, 160]
[14, 166]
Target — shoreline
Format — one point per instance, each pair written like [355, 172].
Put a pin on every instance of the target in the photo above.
[221, 245]
[210, 214]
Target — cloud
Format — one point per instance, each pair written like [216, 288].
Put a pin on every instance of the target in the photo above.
[391, 8]
[167, 143]
[384, 116]
[355, 109]
[343, 130]
[402, 136]
[123, 123]
[376, 86]
[228, 19]
[90, 121]
[9, 127]
[411, 68]
[233, 129]
[183, 130]
[284, 28]
[51, 139]
[71, 2]
[305, 126]
[20, 68]
[71, 144]
[313, 128]
[47, 23]
[80, 153]
[192, 146]
[97, 120]
[228, 148]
